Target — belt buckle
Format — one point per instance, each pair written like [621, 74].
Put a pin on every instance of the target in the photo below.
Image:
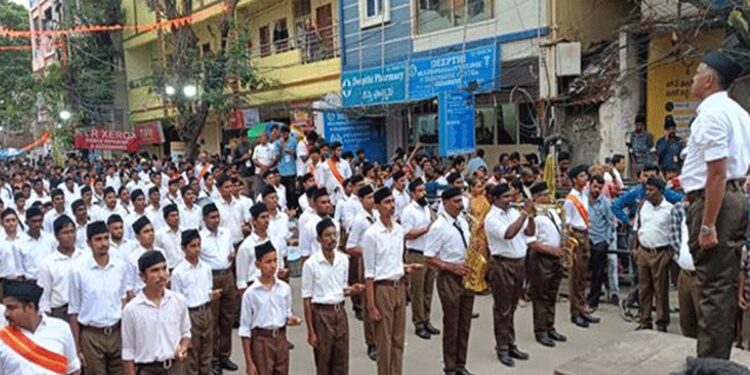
[397, 283]
[167, 364]
[275, 332]
[107, 330]
[337, 307]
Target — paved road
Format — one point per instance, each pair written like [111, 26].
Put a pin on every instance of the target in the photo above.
[425, 356]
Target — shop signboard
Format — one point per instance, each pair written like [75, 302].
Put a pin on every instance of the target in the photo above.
[456, 123]
[355, 134]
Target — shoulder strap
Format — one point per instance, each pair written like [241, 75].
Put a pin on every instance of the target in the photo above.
[29, 350]
[335, 171]
[579, 207]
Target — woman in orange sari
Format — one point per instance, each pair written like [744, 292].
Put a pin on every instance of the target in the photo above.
[479, 206]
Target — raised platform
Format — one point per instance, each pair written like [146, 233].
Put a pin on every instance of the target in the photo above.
[639, 353]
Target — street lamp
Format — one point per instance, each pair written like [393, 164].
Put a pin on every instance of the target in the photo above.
[169, 90]
[190, 91]
[65, 115]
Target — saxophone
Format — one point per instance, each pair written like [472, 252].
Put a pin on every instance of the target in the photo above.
[569, 241]
[475, 280]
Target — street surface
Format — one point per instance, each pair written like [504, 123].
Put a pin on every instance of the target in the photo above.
[425, 356]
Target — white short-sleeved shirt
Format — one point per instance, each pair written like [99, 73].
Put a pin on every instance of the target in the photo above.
[401, 200]
[326, 178]
[362, 222]
[128, 223]
[444, 239]
[49, 220]
[8, 266]
[156, 217]
[194, 281]
[302, 152]
[384, 252]
[135, 283]
[721, 130]
[324, 282]
[548, 229]
[416, 217]
[278, 225]
[245, 262]
[152, 333]
[170, 241]
[190, 218]
[216, 248]
[52, 334]
[265, 308]
[32, 252]
[122, 250]
[496, 224]
[264, 154]
[54, 278]
[96, 293]
[308, 236]
[572, 216]
[232, 217]
[652, 224]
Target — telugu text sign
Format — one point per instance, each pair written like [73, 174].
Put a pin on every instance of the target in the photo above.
[355, 134]
[430, 76]
[456, 129]
[381, 85]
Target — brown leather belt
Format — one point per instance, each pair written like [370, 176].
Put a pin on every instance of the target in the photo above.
[103, 330]
[732, 185]
[263, 332]
[501, 258]
[325, 306]
[166, 365]
[220, 272]
[393, 283]
[655, 250]
[202, 307]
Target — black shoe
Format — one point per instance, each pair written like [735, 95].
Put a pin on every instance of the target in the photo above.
[372, 352]
[358, 315]
[579, 321]
[517, 354]
[591, 319]
[431, 329]
[463, 372]
[474, 315]
[216, 369]
[557, 336]
[546, 341]
[661, 329]
[290, 345]
[615, 299]
[228, 365]
[505, 359]
[423, 333]
[643, 327]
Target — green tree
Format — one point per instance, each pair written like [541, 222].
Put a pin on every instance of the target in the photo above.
[217, 74]
[17, 101]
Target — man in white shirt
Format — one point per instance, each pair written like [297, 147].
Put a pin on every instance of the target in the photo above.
[97, 294]
[81, 220]
[190, 213]
[37, 194]
[246, 270]
[239, 191]
[144, 234]
[54, 271]
[155, 310]
[230, 210]
[173, 192]
[278, 220]
[139, 211]
[654, 255]
[35, 246]
[154, 209]
[119, 246]
[58, 209]
[112, 179]
[416, 219]
[264, 158]
[308, 243]
[168, 238]
[400, 195]
[218, 253]
[28, 323]
[716, 162]
[447, 246]
[332, 172]
[303, 152]
[507, 232]
[110, 207]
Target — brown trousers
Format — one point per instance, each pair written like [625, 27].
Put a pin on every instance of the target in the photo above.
[102, 351]
[60, 313]
[353, 278]
[332, 329]
[177, 368]
[653, 283]
[458, 304]
[546, 276]
[202, 350]
[506, 281]
[368, 324]
[578, 274]
[717, 271]
[389, 331]
[270, 354]
[224, 312]
[421, 286]
[687, 294]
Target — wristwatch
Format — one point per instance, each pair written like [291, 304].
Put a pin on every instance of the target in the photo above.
[707, 229]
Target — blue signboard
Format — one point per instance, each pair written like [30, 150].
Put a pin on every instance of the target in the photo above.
[380, 85]
[430, 76]
[355, 134]
[456, 118]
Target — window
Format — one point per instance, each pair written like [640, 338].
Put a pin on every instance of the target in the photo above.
[301, 8]
[374, 12]
[434, 15]
[265, 41]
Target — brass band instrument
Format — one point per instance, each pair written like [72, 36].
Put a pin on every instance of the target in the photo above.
[476, 262]
[568, 242]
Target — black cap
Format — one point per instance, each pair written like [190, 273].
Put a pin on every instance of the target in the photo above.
[725, 65]
[114, 218]
[257, 209]
[499, 189]
[575, 171]
[209, 209]
[149, 259]
[416, 183]
[97, 227]
[22, 291]
[323, 224]
[365, 191]
[263, 249]
[188, 236]
[450, 193]
[381, 194]
[140, 224]
[539, 188]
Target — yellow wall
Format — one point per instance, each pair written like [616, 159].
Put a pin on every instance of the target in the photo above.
[669, 81]
[590, 21]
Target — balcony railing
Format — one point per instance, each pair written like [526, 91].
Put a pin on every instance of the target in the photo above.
[313, 45]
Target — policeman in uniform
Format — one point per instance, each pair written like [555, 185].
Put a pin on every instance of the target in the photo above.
[718, 155]
[546, 268]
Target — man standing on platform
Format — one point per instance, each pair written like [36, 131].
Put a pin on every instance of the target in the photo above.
[718, 155]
